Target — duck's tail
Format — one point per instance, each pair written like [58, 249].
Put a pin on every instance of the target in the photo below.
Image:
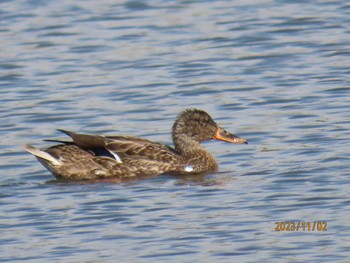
[42, 154]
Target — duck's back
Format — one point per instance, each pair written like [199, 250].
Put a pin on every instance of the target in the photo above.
[131, 147]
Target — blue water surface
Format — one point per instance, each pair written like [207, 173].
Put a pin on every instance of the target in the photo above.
[274, 72]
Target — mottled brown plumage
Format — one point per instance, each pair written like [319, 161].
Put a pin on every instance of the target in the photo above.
[97, 157]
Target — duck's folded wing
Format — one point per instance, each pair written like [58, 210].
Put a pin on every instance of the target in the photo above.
[87, 141]
[143, 149]
[124, 146]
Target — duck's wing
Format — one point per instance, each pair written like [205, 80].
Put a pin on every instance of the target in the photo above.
[86, 141]
[121, 147]
[143, 149]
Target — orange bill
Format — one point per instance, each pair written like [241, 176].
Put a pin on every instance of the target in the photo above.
[223, 135]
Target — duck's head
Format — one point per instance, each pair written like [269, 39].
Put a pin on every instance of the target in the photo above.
[199, 126]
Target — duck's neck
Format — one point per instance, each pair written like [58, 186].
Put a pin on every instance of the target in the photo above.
[186, 146]
[193, 152]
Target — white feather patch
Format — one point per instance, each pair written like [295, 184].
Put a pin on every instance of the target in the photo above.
[116, 156]
[188, 168]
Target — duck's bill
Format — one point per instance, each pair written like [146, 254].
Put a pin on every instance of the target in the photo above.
[223, 135]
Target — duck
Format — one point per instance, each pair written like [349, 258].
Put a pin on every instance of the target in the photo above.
[88, 156]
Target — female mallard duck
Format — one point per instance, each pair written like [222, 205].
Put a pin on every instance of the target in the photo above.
[97, 157]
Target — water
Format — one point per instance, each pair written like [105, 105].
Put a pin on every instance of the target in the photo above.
[274, 72]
